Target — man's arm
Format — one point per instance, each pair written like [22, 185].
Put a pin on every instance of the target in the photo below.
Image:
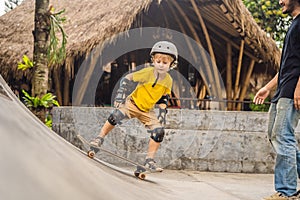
[264, 92]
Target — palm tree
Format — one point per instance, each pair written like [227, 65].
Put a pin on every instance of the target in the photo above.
[41, 43]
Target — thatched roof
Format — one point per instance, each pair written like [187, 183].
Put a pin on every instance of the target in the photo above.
[91, 22]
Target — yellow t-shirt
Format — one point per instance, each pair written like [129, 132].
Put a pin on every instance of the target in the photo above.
[145, 96]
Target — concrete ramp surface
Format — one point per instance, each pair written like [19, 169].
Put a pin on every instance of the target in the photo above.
[37, 164]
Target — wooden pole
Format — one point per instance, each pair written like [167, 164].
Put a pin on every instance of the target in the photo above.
[238, 71]
[229, 75]
[57, 83]
[246, 83]
[69, 65]
[247, 53]
[214, 87]
[204, 29]
[210, 49]
[194, 56]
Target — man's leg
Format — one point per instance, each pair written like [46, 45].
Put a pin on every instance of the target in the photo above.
[285, 145]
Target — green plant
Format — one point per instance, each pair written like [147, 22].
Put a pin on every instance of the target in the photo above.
[56, 51]
[268, 15]
[26, 64]
[48, 100]
[48, 120]
[259, 107]
[41, 103]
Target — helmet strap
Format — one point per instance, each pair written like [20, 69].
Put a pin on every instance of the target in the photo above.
[155, 80]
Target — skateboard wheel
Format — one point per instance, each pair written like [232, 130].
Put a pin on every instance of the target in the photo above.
[91, 154]
[136, 174]
[142, 176]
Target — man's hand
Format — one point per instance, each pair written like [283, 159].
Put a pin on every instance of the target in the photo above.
[261, 95]
[297, 96]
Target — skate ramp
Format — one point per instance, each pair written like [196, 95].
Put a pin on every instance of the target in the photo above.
[36, 163]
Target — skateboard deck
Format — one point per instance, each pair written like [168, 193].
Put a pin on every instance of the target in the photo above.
[140, 171]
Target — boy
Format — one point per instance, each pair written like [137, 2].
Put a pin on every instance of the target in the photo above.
[154, 87]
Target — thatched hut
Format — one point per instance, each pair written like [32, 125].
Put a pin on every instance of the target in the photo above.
[220, 36]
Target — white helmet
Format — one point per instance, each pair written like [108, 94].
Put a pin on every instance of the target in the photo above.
[166, 48]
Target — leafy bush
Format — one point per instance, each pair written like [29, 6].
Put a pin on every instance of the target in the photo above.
[48, 100]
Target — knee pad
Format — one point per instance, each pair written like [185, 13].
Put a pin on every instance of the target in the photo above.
[157, 134]
[115, 117]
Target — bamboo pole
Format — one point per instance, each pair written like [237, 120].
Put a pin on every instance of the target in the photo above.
[57, 83]
[229, 75]
[196, 37]
[69, 65]
[194, 56]
[204, 29]
[247, 53]
[246, 83]
[210, 49]
[238, 71]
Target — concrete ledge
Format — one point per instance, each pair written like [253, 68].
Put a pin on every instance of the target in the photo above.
[216, 141]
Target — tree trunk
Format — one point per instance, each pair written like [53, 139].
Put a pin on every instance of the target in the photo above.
[40, 60]
[41, 44]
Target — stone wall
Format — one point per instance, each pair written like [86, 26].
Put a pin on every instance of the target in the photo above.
[197, 140]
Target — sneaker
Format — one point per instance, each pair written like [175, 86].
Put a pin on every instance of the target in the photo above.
[151, 164]
[97, 142]
[280, 196]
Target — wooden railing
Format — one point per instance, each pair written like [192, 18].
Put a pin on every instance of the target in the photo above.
[212, 104]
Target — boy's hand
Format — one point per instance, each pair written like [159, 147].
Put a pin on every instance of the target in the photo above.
[120, 97]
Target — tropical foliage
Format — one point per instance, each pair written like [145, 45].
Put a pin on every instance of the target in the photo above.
[269, 16]
[46, 101]
[56, 51]
[37, 104]
[41, 102]
[26, 64]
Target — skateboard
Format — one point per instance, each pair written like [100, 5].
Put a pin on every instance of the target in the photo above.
[140, 171]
